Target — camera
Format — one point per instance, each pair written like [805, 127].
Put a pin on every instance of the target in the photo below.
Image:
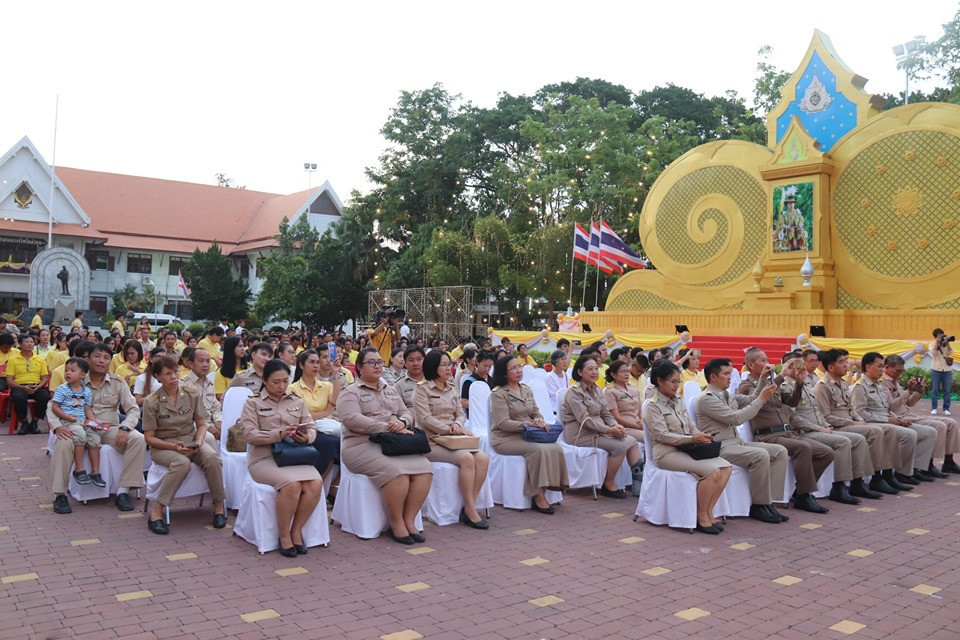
[392, 313]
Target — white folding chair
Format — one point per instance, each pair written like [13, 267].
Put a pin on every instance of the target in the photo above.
[359, 508]
[195, 484]
[234, 463]
[542, 396]
[735, 380]
[111, 468]
[586, 466]
[257, 519]
[444, 501]
[528, 373]
[507, 473]
[691, 391]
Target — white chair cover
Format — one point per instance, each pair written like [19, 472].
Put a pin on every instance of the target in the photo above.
[691, 396]
[212, 376]
[824, 485]
[444, 501]
[195, 484]
[536, 374]
[358, 508]
[542, 396]
[111, 468]
[479, 421]
[257, 519]
[735, 380]
[234, 463]
[528, 373]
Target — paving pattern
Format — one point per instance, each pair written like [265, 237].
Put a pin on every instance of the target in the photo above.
[887, 569]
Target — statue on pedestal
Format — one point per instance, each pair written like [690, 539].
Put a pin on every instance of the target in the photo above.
[64, 278]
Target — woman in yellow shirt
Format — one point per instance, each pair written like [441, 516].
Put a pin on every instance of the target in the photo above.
[524, 357]
[133, 363]
[321, 400]
[234, 362]
[689, 361]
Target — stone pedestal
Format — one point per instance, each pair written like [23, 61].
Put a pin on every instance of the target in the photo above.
[46, 289]
[64, 309]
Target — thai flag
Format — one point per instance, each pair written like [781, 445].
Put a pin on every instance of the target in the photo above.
[581, 244]
[615, 250]
[182, 285]
[595, 258]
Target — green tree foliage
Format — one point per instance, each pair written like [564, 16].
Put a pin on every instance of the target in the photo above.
[214, 289]
[129, 298]
[939, 59]
[767, 83]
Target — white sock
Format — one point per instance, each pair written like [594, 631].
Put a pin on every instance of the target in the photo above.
[122, 490]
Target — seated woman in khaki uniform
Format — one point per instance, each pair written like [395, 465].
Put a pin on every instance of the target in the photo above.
[668, 425]
[174, 425]
[270, 416]
[512, 407]
[436, 404]
[371, 406]
[587, 422]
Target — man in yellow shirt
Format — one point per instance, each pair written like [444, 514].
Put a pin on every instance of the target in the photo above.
[27, 376]
[77, 320]
[59, 355]
[117, 324]
[37, 320]
[7, 350]
[383, 336]
[211, 344]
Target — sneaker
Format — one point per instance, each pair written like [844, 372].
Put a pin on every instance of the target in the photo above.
[946, 412]
[81, 477]
[933, 412]
[97, 480]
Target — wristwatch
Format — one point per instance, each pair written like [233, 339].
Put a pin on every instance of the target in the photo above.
[125, 429]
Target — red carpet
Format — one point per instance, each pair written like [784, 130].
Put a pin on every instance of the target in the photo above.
[732, 347]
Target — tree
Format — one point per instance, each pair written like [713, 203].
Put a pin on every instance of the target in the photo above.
[939, 59]
[127, 298]
[224, 181]
[767, 83]
[214, 290]
[306, 279]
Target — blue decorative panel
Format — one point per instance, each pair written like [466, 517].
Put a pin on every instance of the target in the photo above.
[825, 113]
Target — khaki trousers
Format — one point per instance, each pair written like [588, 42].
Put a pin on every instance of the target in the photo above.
[881, 442]
[851, 454]
[948, 435]
[765, 463]
[61, 459]
[926, 442]
[178, 466]
[808, 457]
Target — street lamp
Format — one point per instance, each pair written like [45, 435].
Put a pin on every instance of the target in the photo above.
[309, 167]
[902, 53]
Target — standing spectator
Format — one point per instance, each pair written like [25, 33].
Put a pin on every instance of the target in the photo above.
[37, 321]
[941, 373]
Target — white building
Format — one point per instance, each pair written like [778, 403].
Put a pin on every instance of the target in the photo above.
[135, 230]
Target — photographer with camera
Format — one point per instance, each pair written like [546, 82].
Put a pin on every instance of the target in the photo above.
[386, 331]
[941, 370]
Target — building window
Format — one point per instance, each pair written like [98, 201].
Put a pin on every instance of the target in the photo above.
[139, 263]
[16, 254]
[243, 266]
[100, 260]
[98, 304]
[176, 266]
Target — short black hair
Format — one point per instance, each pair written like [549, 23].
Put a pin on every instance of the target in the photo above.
[715, 366]
[662, 370]
[273, 365]
[830, 356]
[99, 346]
[615, 366]
[431, 363]
[412, 349]
[641, 361]
[80, 362]
[580, 364]
[562, 342]
[893, 361]
[216, 331]
[869, 358]
[486, 354]
[7, 339]
[266, 347]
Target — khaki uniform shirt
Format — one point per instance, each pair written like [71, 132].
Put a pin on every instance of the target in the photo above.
[173, 418]
[807, 416]
[364, 410]
[720, 412]
[112, 396]
[509, 411]
[437, 409]
[405, 387]
[265, 420]
[585, 408]
[870, 401]
[627, 401]
[898, 398]
[938, 356]
[668, 424]
[776, 411]
[834, 402]
[249, 379]
[204, 387]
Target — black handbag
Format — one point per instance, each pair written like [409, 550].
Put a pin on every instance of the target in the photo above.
[703, 451]
[288, 453]
[402, 444]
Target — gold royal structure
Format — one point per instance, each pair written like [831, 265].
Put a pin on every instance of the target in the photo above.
[870, 197]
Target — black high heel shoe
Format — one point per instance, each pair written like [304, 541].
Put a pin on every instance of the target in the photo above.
[482, 524]
[712, 529]
[287, 552]
[301, 549]
[407, 539]
[549, 510]
[417, 537]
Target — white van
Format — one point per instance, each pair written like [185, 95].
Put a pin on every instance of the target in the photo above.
[156, 320]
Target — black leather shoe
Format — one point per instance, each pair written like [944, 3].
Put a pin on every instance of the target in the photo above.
[417, 537]
[301, 549]
[760, 512]
[840, 494]
[712, 529]
[287, 552]
[219, 520]
[949, 466]
[123, 503]
[618, 494]
[158, 526]
[480, 524]
[933, 472]
[24, 428]
[407, 539]
[806, 502]
[879, 484]
[908, 482]
[922, 476]
[860, 490]
[549, 510]
[776, 513]
[33, 429]
[61, 504]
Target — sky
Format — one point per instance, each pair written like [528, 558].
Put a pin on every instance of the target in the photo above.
[185, 90]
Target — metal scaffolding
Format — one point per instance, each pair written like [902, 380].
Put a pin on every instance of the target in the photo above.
[440, 312]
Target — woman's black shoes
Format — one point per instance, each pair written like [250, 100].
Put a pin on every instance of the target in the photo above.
[417, 537]
[158, 526]
[549, 510]
[288, 552]
[407, 539]
[481, 524]
[219, 520]
[301, 549]
[618, 494]
[712, 529]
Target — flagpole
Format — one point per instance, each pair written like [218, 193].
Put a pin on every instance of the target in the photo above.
[596, 294]
[583, 296]
[53, 174]
[573, 265]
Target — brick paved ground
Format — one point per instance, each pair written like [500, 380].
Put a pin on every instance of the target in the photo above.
[595, 574]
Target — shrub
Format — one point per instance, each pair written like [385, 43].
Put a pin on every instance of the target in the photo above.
[196, 328]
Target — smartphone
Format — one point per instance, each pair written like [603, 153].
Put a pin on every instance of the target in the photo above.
[332, 350]
[301, 428]
[193, 445]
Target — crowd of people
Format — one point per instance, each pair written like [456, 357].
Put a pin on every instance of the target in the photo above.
[161, 394]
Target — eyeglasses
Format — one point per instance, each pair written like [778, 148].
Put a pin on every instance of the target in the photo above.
[374, 363]
[517, 368]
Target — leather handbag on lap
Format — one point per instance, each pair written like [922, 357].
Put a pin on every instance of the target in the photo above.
[542, 436]
[288, 453]
[402, 444]
[701, 451]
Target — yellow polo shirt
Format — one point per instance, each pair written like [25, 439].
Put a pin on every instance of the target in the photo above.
[57, 376]
[220, 383]
[37, 321]
[26, 371]
[317, 399]
[57, 358]
[458, 352]
[125, 369]
[5, 357]
[210, 347]
[77, 322]
[116, 325]
[117, 360]
[352, 356]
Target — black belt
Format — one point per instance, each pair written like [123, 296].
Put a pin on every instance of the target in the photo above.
[778, 429]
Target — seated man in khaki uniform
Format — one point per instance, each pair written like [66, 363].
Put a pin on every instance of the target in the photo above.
[836, 406]
[870, 401]
[252, 378]
[719, 413]
[772, 424]
[413, 362]
[852, 462]
[902, 400]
